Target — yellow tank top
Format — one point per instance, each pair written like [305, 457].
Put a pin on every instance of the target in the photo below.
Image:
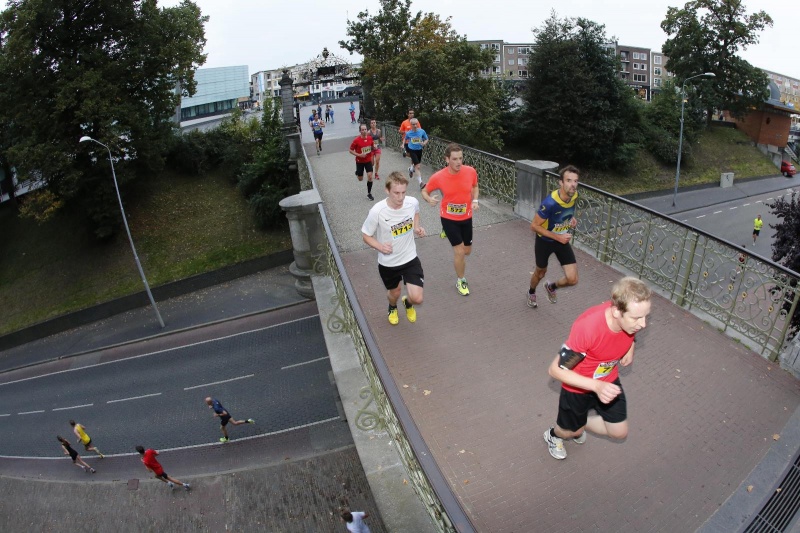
[82, 434]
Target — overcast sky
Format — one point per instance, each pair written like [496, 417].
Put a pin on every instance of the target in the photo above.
[268, 34]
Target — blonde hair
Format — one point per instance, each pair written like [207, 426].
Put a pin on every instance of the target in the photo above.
[629, 290]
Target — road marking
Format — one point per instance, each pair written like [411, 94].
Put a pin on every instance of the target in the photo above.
[157, 352]
[7, 414]
[745, 205]
[732, 208]
[218, 382]
[31, 412]
[192, 446]
[768, 199]
[717, 212]
[73, 407]
[701, 216]
[135, 398]
[304, 363]
[758, 201]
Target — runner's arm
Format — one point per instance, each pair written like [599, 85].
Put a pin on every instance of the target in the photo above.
[419, 230]
[537, 226]
[432, 200]
[605, 390]
[372, 242]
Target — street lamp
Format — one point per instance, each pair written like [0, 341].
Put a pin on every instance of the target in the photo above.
[127, 230]
[680, 137]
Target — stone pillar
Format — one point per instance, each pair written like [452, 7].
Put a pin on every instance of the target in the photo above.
[531, 186]
[290, 129]
[307, 234]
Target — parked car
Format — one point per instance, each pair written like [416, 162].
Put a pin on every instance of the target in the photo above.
[787, 169]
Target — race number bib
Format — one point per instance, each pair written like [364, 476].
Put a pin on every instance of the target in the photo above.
[457, 209]
[604, 369]
[401, 229]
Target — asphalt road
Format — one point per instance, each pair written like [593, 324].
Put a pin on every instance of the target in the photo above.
[276, 372]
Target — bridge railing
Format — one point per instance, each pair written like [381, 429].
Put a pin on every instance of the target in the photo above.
[390, 412]
[753, 298]
[496, 174]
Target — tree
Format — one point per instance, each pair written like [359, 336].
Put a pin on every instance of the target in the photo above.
[418, 61]
[576, 108]
[786, 244]
[661, 124]
[108, 69]
[704, 37]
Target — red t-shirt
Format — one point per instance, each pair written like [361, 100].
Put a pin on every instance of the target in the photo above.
[362, 146]
[456, 190]
[150, 461]
[591, 335]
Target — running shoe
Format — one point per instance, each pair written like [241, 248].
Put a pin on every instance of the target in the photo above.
[377, 177]
[551, 291]
[411, 313]
[580, 439]
[369, 195]
[393, 319]
[251, 421]
[442, 234]
[93, 471]
[223, 439]
[555, 445]
[532, 301]
[187, 487]
[171, 485]
[410, 172]
[461, 285]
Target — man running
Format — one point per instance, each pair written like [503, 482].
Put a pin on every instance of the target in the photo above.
[405, 126]
[317, 124]
[757, 224]
[377, 136]
[601, 338]
[416, 139]
[151, 463]
[224, 417]
[390, 228]
[459, 186]
[552, 223]
[361, 148]
[84, 438]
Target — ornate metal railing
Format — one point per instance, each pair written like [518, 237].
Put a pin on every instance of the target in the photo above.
[384, 407]
[753, 297]
[496, 175]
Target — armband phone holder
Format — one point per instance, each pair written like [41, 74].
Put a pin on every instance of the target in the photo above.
[569, 359]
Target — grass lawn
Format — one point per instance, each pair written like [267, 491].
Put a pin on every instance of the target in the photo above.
[181, 227]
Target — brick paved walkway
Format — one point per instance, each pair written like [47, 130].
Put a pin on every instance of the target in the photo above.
[703, 409]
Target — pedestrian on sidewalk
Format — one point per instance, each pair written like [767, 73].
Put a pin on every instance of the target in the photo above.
[390, 228]
[352, 110]
[355, 521]
[327, 113]
[76, 459]
[84, 438]
[757, 224]
[405, 126]
[151, 463]
[361, 148]
[332, 121]
[378, 138]
[459, 186]
[552, 225]
[415, 140]
[601, 338]
[316, 127]
[224, 417]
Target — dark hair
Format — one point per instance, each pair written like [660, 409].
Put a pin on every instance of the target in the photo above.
[452, 147]
[140, 449]
[62, 440]
[347, 517]
[71, 422]
[568, 168]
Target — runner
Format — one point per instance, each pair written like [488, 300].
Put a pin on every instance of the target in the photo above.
[389, 228]
[361, 148]
[355, 522]
[151, 463]
[416, 139]
[352, 110]
[316, 126]
[224, 417]
[84, 438]
[601, 338]
[76, 459]
[405, 126]
[459, 186]
[552, 223]
[757, 224]
[377, 136]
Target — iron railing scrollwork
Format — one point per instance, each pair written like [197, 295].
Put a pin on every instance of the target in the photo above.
[497, 176]
[754, 298]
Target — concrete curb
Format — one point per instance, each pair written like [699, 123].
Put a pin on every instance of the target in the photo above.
[400, 507]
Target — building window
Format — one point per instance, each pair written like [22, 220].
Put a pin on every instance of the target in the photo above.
[657, 71]
[639, 77]
[657, 60]
[511, 61]
[494, 46]
[636, 66]
[623, 56]
[657, 82]
[522, 61]
[522, 73]
[496, 59]
[523, 50]
[495, 70]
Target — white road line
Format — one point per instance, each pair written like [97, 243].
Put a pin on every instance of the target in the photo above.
[717, 212]
[218, 382]
[304, 363]
[73, 407]
[732, 208]
[158, 351]
[193, 446]
[31, 412]
[135, 398]
[745, 205]
[6, 414]
[701, 216]
[759, 201]
[768, 199]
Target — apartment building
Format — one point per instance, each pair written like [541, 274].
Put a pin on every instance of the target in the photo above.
[510, 59]
[659, 75]
[635, 69]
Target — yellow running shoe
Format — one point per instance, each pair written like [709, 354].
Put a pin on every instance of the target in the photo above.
[461, 285]
[393, 319]
[411, 313]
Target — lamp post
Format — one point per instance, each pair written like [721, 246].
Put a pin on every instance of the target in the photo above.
[680, 137]
[127, 230]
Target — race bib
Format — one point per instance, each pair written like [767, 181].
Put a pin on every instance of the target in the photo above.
[457, 209]
[366, 150]
[399, 230]
[604, 369]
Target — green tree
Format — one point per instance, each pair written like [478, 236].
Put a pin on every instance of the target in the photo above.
[418, 61]
[786, 244]
[108, 69]
[661, 120]
[576, 108]
[705, 36]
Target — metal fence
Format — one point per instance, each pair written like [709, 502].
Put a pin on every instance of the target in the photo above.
[497, 176]
[742, 293]
[384, 408]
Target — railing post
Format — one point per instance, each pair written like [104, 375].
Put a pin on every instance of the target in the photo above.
[792, 310]
[682, 296]
[307, 233]
[608, 238]
[531, 186]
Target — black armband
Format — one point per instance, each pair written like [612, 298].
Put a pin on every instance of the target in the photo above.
[569, 359]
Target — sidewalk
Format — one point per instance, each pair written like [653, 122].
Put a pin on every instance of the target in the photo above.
[473, 371]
